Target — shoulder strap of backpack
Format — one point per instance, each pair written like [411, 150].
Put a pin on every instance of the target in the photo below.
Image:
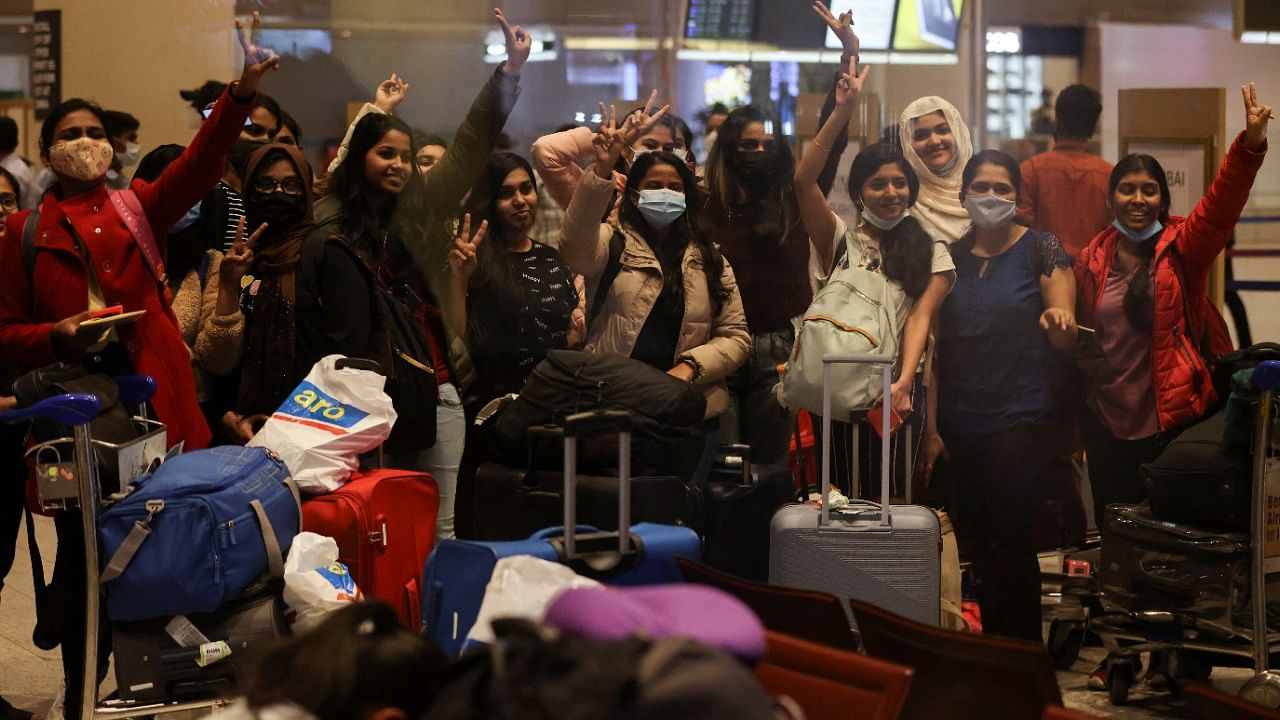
[306, 277]
[129, 208]
[611, 270]
[29, 241]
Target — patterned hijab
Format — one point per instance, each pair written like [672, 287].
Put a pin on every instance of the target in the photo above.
[938, 207]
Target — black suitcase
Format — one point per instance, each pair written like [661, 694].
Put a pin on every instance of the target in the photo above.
[1197, 480]
[514, 503]
[739, 500]
[1201, 577]
[152, 667]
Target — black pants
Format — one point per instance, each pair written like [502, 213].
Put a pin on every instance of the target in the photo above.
[1113, 464]
[996, 490]
[68, 584]
[755, 417]
[13, 489]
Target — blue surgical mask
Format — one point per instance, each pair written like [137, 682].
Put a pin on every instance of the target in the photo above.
[1151, 231]
[187, 220]
[874, 219]
[660, 207]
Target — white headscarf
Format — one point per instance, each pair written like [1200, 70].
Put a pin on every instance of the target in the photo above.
[938, 206]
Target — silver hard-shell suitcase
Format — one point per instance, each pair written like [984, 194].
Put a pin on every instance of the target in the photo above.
[888, 556]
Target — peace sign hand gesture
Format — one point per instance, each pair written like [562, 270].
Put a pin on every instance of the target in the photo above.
[842, 26]
[237, 261]
[849, 88]
[390, 93]
[257, 59]
[463, 259]
[1256, 117]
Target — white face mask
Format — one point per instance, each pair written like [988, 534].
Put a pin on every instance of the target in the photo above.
[132, 153]
[990, 212]
[874, 219]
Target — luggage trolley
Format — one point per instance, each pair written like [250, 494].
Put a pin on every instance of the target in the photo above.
[1128, 633]
[78, 410]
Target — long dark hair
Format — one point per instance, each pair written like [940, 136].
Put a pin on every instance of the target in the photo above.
[907, 249]
[774, 211]
[670, 252]
[359, 660]
[493, 271]
[369, 215]
[1139, 308]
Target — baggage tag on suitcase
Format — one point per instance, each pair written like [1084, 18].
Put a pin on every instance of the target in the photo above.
[888, 556]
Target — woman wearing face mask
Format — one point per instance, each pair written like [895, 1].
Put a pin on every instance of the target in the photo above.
[560, 157]
[86, 258]
[519, 294]
[10, 196]
[1143, 290]
[750, 213]
[936, 141]
[284, 336]
[206, 291]
[1012, 306]
[398, 220]
[674, 303]
[887, 239]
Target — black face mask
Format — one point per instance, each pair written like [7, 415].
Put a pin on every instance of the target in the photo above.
[239, 154]
[759, 170]
[278, 210]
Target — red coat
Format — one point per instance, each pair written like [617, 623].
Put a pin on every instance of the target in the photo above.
[1185, 320]
[58, 287]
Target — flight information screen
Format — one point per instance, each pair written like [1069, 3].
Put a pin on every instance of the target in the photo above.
[720, 19]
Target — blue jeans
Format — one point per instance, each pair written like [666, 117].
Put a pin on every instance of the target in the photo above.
[443, 459]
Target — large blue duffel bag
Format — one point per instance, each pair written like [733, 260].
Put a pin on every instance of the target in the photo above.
[194, 533]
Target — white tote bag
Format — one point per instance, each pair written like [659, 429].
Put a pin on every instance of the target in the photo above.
[329, 420]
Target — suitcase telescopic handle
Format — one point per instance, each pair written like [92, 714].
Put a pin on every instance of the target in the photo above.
[865, 359]
[593, 422]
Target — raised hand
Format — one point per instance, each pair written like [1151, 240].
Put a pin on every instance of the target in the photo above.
[463, 259]
[519, 44]
[257, 59]
[390, 93]
[1256, 117]
[237, 261]
[842, 26]
[639, 124]
[849, 87]
[607, 142]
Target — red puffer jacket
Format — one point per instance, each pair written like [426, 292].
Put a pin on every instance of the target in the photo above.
[1185, 320]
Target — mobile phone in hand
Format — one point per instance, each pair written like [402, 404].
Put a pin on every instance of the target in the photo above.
[875, 417]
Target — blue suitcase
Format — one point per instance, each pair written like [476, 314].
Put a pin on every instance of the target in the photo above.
[457, 571]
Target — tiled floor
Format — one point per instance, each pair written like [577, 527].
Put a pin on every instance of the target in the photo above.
[29, 678]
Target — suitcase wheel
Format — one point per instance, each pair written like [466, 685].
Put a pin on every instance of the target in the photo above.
[1120, 675]
[1065, 639]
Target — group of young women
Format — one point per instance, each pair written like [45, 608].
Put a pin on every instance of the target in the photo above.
[698, 271]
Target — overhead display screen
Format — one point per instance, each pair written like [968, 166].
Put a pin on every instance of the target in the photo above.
[720, 20]
[872, 21]
[927, 24]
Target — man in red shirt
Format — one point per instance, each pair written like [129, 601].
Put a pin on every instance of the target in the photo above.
[1064, 191]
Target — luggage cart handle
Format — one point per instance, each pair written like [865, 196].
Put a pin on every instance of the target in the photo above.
[70, 409]
[135, 390]
[1266, 376]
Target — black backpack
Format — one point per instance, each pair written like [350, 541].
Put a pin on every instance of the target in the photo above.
[398, 344]
[667, 414]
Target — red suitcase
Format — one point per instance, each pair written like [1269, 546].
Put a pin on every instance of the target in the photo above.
[385, 524]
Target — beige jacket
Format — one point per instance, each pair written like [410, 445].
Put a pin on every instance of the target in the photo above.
[715, 345]
[214, 340]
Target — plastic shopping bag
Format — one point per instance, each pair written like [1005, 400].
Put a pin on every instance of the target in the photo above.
[326, 423]
[522, 586]
[315, 583]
